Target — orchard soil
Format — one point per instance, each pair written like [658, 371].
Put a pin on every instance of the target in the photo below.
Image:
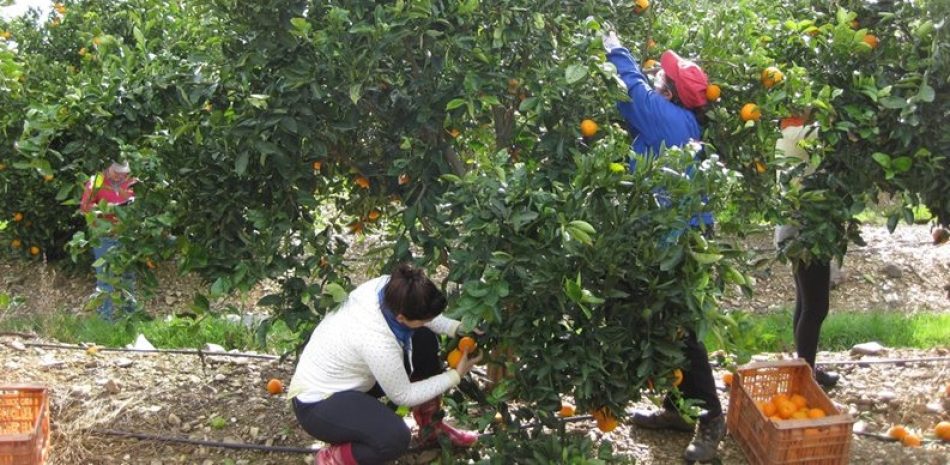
[225, 399]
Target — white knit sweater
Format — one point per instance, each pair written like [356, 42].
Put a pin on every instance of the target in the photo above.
[353, 348]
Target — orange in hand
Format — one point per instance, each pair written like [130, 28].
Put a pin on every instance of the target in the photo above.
[467, 345]
[454, 357]
[275, 386]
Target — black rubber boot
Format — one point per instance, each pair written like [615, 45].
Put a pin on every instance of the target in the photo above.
[827, 379]
[705, 443]
[661, 419]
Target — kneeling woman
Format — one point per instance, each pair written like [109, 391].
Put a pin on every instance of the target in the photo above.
[382, 341]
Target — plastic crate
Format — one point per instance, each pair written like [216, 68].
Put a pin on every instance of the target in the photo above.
[24, 425]
[820, 441]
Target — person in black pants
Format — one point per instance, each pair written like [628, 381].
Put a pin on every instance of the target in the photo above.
[812, 297]
[381, 342]
[660, 114]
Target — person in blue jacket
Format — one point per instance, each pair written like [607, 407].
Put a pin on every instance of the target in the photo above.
[663, 114]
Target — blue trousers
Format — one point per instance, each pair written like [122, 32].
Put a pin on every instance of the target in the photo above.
[104, 281]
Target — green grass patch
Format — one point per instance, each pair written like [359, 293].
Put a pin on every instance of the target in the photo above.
[165, 333]
[772, 332]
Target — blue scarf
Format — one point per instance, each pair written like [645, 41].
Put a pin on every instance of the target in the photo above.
[402, 332]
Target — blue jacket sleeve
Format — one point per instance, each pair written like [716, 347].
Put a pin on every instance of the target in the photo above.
[645, 105]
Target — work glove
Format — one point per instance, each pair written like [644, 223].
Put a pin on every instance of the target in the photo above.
[611, 41]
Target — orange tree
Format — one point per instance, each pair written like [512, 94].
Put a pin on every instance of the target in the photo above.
[268, 134]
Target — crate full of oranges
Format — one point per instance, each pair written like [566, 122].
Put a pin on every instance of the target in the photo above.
[779, 415]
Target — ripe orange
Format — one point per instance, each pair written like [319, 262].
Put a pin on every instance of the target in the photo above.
[373, 215]
[942, 430]
[911, 440]
[403, 179]
[567, 410]
[16, 244]
[771, 76]
[649, 64]
[799, 415]
[760, 167]
[589, 128]
[317, 165]
[605, 420]
[454, 356]
[768, 409]
[786, 409]
[356, 227]
[816, 413]
[713, 92]
[82, 52]
[275, 386]
[677, 377]
[639, 6]
[362, 182]
[454, 132]
[727, 379]
[48, 177]
[467, 345]
[897, 432]
[34, 251]
[17, 217]
[871, 40]
[750, 112]
[799, 401]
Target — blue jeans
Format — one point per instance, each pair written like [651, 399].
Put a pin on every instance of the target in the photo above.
[104, 281]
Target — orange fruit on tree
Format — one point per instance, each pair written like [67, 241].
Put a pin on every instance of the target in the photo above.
[17, 217]
[453, 358]
[771, 76]
[605, 420]
[871, 40]
[942, 430]
[16, 243]
[589, 128]
[760, 167]
[467, 344]
[373, 215]
[275, 386]
[362, 181]
[897, 432]
[911, 440]
[47, 177]
[649, 64]
[727, 379]
[816, 413]
[639, 6]
[713, 92]
[34, 250]
[750, 112]
[403, 179]
[356, 227]
[454, 132]
[317, 165]
[677, 377]
[567, 410]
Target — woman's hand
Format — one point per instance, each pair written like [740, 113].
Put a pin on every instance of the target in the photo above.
[466, 364]
[611, 41]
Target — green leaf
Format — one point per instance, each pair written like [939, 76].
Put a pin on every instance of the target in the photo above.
[240, 164]
[356, 90]
[705, 258]
[583, 226]
[454, 103]
[335, 291]
[926, 93]
[902, 164]
[575, 73]
[882, 159]
[893, 102]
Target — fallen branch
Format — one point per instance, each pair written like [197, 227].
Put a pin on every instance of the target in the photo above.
[198, 352]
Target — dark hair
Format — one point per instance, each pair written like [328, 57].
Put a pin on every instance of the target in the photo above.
[411, 294]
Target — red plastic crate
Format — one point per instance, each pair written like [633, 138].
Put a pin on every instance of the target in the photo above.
[24, 425]
[820, 441]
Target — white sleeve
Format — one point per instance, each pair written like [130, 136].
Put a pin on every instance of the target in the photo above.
[444, 325]
[384, 359]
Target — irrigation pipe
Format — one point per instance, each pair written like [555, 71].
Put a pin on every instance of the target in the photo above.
[198, 352]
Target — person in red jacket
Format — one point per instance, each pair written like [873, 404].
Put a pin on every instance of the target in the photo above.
[103, 193]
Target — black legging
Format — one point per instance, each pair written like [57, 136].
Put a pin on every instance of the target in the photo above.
[698, 381]
[378, 435]
[812, 290]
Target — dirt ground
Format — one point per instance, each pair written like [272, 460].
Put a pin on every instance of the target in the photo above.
[224, 399]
